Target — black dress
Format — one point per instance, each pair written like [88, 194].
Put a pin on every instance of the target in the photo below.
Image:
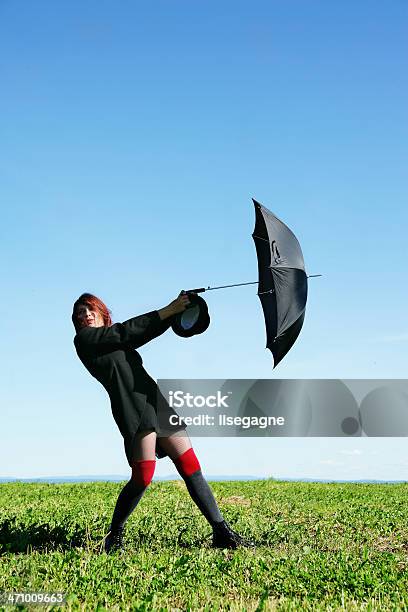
[109, 354]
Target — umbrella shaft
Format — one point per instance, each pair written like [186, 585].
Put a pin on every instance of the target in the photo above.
[202, 289]
[226, 286]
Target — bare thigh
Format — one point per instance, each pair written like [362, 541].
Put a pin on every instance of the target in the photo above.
[176, 444]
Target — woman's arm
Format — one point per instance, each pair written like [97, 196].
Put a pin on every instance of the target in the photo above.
[133, 333]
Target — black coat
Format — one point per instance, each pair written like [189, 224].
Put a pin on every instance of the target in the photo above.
[109, 354]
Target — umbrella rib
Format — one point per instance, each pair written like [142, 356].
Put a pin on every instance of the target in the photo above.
[260, 238]
[263, 292]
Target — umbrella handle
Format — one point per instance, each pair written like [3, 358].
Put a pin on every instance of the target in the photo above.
[200, 290]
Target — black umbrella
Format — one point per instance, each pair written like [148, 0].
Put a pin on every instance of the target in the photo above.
[282, 281]
[282, 286]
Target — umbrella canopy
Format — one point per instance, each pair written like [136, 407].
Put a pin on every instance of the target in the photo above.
[282, 284]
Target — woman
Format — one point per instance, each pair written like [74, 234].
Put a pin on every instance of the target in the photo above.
[141, 412]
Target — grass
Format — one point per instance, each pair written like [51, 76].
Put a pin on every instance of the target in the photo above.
[321, 547]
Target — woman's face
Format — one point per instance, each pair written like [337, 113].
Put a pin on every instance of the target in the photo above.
[88, 317]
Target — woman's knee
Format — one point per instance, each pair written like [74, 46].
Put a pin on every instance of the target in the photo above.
[187, 463]
[142, 471]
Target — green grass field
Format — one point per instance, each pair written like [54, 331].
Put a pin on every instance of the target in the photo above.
[322, 547]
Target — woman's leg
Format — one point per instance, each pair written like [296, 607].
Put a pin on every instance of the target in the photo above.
[181, 452]
[179, 449]
[143, 465]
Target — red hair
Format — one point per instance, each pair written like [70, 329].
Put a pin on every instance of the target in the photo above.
[94, 303]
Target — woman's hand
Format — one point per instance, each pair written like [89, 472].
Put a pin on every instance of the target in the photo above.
[178, 305]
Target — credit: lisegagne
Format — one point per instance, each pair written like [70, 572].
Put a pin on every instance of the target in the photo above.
[224, 419]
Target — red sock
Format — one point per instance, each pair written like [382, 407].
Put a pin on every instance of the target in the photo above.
[142, 471]
[187, 463]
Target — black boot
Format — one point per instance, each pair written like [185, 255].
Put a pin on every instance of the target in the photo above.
[114, 540]
[225, 537]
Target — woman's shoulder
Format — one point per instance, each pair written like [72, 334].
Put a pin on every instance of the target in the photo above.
[84, 337]
[80, 333]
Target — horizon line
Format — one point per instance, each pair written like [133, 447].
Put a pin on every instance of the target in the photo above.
[169, 477]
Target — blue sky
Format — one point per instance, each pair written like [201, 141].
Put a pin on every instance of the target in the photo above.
[133, 136]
